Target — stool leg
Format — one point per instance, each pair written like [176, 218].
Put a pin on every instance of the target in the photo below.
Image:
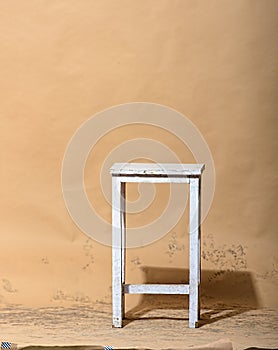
[123, 245]
[117, 287]
[194, 265]
[199, 248]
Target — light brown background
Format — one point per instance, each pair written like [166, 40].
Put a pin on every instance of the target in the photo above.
[63, 61]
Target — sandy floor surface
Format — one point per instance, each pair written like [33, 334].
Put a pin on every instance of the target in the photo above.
[150, 325]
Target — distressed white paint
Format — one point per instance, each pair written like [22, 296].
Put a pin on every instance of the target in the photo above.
[117, 287]
[123, 244]
[155, 173]
[156, 169]
[194, 259]
[154, 179]
[156, 288]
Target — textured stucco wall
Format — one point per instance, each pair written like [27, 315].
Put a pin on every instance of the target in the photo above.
[63, 61]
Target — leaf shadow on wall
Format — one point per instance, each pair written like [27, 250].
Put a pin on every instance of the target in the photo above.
[224, 294]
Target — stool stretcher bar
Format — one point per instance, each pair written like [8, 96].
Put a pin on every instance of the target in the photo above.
[156, 288]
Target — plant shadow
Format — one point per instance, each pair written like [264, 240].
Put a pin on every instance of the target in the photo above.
[223, 293]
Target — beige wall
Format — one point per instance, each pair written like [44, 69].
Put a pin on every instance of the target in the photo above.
[63, 61]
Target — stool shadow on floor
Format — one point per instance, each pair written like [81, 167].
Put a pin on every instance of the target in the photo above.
[224, 294]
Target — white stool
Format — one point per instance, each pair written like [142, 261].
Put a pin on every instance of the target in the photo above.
[156, 173]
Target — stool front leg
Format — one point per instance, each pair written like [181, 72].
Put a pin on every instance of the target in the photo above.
[117, 286]
[123, 243]
[194, 242]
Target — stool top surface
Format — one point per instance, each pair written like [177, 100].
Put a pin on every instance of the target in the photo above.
[145, 169]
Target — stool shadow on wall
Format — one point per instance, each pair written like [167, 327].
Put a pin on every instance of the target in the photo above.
[224, 294]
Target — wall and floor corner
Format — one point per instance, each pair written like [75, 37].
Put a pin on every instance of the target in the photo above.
[62, 62]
